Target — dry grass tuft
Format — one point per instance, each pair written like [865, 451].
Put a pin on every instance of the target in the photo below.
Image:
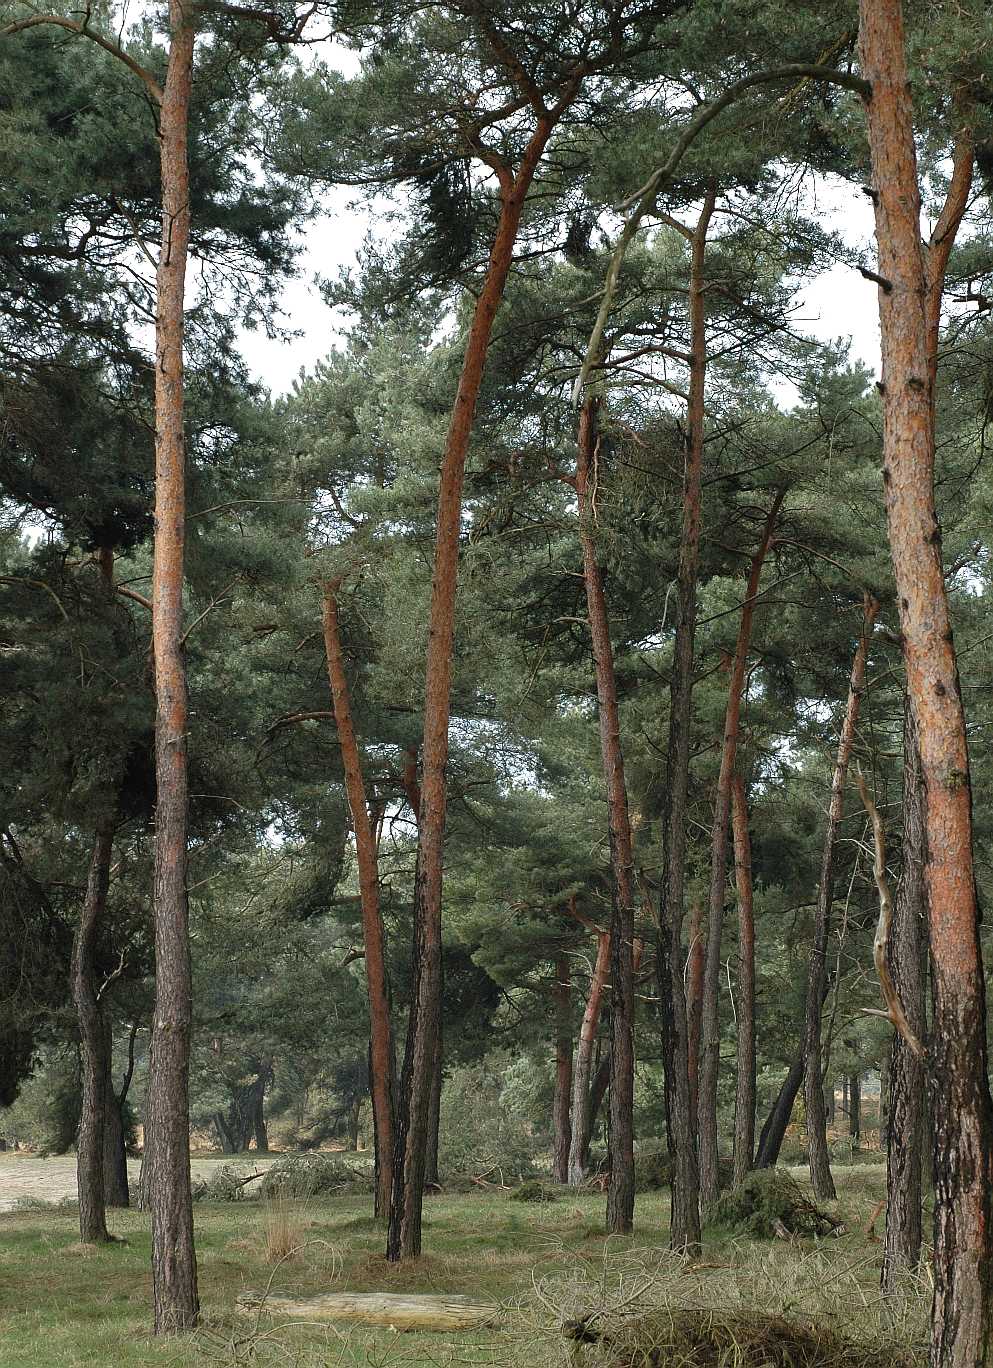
[284, 1231]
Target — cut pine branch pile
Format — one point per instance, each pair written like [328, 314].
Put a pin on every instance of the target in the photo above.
[712, 1339]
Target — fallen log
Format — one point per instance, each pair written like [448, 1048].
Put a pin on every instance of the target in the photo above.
[404, 1311]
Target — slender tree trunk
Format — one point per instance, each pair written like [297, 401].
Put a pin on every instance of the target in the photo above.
[93, 1045]
[115, 1155]
[696, 959]
[410, 1148]
[820, 1167]
[174, 1271]
[377, 984]
[709, 1017]
[620, 1195]
[680, 1078]
[907, 951]
[744, 1107]
[582, 1074]
[561, 1104]
[434, 1116]
[962, 1312]
[855, 1109]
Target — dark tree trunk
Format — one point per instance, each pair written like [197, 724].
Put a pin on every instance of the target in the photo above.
[962, 1312]
[115, 1154]
[381, 1057]
[774, 1131]
[680, 1079]
[855, 1109]
[93, 1045]
[744, 1109]
[829, 1104]
[820, 1167]
[434, 1117]
[907, 952]
[709, 1018]
[562, 1101]
[410, 1145]
[258, 1122]
[696, 959]
[582, 1075]
[620, 1194]
[174, 1271]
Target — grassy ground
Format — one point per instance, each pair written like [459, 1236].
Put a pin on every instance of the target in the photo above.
[62, 1304]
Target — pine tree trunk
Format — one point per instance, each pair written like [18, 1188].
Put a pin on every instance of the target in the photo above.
[696, 959]
[709, 1017]
[855, 1109]
[377, 983]
[434, 1117]
[774, 1130]
[962, 1312]
[620, 1194]
[561, 1103]
[174, 1273]
[115, 1155]
[820, 1167]
[680, 1076]
[582, 1075]
[744, 1107]
[93, 1045]
[410, 1146]
[907, 951]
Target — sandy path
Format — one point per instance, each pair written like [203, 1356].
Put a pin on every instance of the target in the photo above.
[51, 1180]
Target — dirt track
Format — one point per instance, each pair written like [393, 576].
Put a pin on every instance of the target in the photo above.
[51, 1180]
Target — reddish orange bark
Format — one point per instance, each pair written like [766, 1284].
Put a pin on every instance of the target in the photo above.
[962, 1313]
[377, 985]
[404, 1238]
[174, 1273]
[709, 1025]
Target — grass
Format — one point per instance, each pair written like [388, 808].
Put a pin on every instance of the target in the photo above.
[63, 1305]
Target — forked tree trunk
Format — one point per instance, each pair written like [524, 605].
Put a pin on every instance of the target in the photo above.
[582, 1074]
[820, 1166]
[367, 858]
[744, 1105]
[907, 954]
[680, 1079]
[561, 1103]
[174, 1271]
[962, 1311]
[93, 1045]
[410, 1147]
[709, 1018]
[620, 1194]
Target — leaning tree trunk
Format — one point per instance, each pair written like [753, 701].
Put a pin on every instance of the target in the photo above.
[620, 1194]
[561, 1125]
[709, 1018]
[410, 1147]
[776, 1123]
[820, 1167]
[680, 1078]
[582, 1074]
[744, 1105]
[367, 858]
[93, 1044]
[174, 1270]
[962, 1311]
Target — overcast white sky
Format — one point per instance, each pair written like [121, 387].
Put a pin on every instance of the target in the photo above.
[837, 304]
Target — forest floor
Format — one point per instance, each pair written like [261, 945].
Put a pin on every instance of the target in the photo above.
[63, 1304]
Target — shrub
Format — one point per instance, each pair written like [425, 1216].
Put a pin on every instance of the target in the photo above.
[225, 1184]
[770, 1202]
[534, 1191]
[652, 1170]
